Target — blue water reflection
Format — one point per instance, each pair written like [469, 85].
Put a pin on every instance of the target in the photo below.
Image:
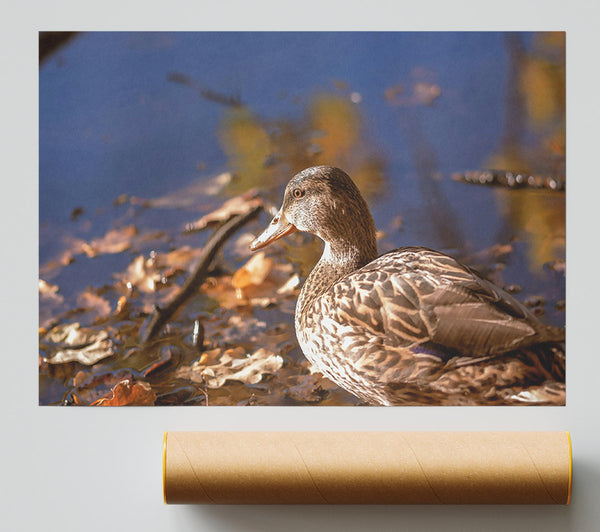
[111, 122]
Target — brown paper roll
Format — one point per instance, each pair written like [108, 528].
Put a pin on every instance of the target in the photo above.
[367, 467]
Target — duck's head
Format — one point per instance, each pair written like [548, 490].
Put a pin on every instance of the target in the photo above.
[324, 201]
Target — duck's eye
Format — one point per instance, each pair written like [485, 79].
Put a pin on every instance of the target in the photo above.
[298, 193]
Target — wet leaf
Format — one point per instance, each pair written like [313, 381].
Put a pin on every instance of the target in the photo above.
[178, 259]
[254, 272]
[89, 387]
[122, 305]
[249, 369]
[263, 282]
[239, 205]
[115, 241]
[221, 290]
[73, 343]
[49, 292]
[51, 302]
[141, 273]
[130, 393]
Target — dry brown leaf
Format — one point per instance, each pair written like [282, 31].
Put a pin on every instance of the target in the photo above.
[90, 387]
[221, 290]
[122, 305]
[239, 205]
[178, 259]
[141, 273]
[230, 366]
[115, 241]
[51, 302]
[269, 276]
[73, 343]
[254, 272]
[49, 292]
[130, 393]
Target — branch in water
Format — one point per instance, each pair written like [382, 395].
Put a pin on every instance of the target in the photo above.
[503, 178]
[159, 318]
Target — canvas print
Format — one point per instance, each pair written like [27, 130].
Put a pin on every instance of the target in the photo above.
[302, 218]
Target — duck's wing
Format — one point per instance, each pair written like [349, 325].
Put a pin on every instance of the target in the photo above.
[417, 295]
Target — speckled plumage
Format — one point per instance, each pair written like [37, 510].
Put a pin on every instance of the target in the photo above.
[414, 322]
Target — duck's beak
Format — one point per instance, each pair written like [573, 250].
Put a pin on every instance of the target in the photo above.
[278, 228]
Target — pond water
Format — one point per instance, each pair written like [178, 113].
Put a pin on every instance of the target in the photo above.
[141, 133]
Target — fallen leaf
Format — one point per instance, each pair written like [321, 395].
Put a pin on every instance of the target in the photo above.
[221, 290]
[180, 258]
[49, 291]
[122, 305]
[73, 343]
[235, 206]
[248, 370]
[89, 387]
[51, 302]
[254, 272]
[142, 273]
[130, 393]
[115, 241]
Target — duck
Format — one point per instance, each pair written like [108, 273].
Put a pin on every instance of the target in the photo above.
[414, 325]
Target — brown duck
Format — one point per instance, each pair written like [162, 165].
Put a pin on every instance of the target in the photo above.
[413, 326]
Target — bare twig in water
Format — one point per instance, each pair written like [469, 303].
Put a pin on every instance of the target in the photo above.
[159, 318]
[223, 99]
[506, 179]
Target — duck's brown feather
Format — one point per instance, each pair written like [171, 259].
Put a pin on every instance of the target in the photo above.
[417, 316]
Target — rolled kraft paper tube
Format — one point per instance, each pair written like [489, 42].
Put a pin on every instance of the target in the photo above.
[367, 467]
